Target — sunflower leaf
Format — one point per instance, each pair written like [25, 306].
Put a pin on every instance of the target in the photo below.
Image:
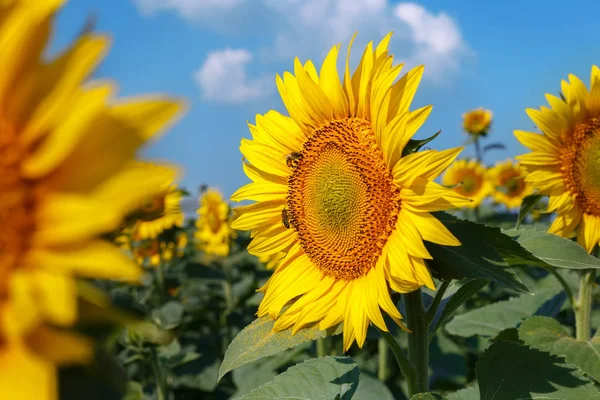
[428, 396]
[258, 340]
[493, 146]
[320, 378]
[553, 250]
[415, 145]
[546, 334]
[371, 388]
[470, 393]
[492, 319]
[485, 253]
[527, 205]
[508, 370]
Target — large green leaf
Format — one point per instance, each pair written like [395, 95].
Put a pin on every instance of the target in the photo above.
[547, 334]
[371, 388]
[470, 393]
[321, 378]
[481, 255]
[554, 250]
[258, 340]
[492, 319]
[428, 396]
[508, 370]
[449, 305]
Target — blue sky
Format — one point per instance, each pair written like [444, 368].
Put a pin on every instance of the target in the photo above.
[502, 55]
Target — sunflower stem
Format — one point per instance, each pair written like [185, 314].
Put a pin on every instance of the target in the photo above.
[161, 384]
[160, 281]
[382, 355]
[583, 310]
[321, 351]
[565, 286]
[478, 153]
[418, 341]
[405, 366]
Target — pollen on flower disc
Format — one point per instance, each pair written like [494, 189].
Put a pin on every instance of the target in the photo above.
[342, 199]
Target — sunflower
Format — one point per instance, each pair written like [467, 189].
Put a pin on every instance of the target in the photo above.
[214, 234]
[508, 182]
[67, 177]
[477, 122]
[272, 261]
[564, 163]
[334, 193]
[160, 213]
[469, 177]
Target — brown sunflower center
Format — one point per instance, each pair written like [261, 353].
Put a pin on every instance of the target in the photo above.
[342, 199]
[511, 183]
[213, 220]
[471, 183]
[581, 165]
[16, 204]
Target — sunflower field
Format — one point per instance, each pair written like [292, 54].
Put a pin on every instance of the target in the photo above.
[359, 262]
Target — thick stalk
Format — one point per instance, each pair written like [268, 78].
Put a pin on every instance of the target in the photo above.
[583, 312]
[418, 341]
[405, 367]
[321, 351]
[478, 153]
[382, 354]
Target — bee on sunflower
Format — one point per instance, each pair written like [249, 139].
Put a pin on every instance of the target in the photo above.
[564, 162]
[357, 210]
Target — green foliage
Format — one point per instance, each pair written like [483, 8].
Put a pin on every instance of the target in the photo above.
[258, 340]
[428, 396]
[370, 388]
[547, 334]
[491, 319]
[510, 371]
[553, 250]
[527, 205]
[482, 254]
[321, 378]
[415, 145]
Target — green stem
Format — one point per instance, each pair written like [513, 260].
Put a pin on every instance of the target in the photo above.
[160, 282]
[321, 351]
[418, 341]
[478, 153]
[583, 312]
[436, 301]
[382, 354]
[161, 384]
[405, 367]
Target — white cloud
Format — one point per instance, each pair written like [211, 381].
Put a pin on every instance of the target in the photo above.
[190, 9]
[223, 77]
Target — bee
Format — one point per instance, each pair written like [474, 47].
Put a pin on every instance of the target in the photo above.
[292, 159]
[285, 218]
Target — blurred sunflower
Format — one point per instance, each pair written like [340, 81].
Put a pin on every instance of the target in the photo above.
[333, 191]
[508, 182]
[477, 122]
[66, 178]
[272, 261]
[213, 234]
[470, 176]
[564, 163]
[160, 213]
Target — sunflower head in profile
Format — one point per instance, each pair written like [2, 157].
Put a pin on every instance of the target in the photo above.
[508, 183]
[159, 213]
[68, 177]
[468, 177]
[565, 159]
[477, 122]
[334, 192]
[214, 233]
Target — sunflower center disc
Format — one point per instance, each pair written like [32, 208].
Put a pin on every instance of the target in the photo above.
[342, 199]
[581, 165]
[16, 204]
[511, 184]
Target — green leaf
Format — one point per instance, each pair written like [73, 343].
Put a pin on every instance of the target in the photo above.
[481, 254]
[258, 340]
[200, 373]
[169, 315]
[135, 391]
[508, 370]
[470, 393]
[428, 396]
[371, 388]
[493, 146]
[463, 294]
[415, 145]
[527, 205]
[490, 320]
[547, 334]
[320, 378]
[554, 250]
